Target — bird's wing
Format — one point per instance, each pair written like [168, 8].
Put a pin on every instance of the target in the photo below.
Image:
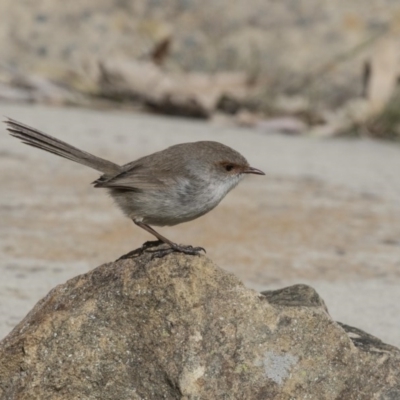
[137, 178]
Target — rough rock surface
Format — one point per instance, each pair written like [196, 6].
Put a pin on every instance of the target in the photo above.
[181, 328]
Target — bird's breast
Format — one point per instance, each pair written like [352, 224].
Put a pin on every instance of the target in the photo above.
[183, 201]
[197, 198]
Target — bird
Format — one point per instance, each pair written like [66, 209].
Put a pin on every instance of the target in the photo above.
[165, 188]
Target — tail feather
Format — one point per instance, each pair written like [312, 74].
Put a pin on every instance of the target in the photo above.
[40, 140]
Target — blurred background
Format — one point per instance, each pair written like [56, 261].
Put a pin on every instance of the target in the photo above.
[306, 90]
[292, 66]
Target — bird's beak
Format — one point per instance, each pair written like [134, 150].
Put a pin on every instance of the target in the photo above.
[251, 170]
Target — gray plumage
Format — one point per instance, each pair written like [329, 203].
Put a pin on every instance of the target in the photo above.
[175, 185]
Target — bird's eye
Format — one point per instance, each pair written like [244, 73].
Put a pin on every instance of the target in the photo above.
[229, 167]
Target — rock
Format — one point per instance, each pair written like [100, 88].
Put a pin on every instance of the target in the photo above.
[247, 118]
[181, 328]
[187, 94]
[28, 88]
[295, 296]
[45, 91]
[382, 73]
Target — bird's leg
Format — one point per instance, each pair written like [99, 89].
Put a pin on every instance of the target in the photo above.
[174, 247]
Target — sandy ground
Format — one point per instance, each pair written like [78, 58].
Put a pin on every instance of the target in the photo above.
[327, 213]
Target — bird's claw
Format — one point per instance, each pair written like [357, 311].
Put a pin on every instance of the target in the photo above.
[177, 248]
[144, 248]
[189, 249]
[160, 253]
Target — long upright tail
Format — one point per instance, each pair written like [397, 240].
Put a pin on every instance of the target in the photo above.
[35, 138]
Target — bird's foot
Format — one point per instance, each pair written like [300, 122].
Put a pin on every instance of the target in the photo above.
[150, 244]
[144, 248]
[177, 248]
[160, 253]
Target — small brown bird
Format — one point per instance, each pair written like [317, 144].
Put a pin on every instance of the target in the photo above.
[175, 185]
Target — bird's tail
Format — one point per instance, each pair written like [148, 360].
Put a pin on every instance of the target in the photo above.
[35, 138]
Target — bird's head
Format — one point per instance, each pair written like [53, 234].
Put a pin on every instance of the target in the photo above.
[224, 164]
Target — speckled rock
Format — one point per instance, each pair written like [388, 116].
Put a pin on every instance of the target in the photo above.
[181, 328]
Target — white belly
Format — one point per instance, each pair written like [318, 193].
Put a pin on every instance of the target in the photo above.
[183, 202]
